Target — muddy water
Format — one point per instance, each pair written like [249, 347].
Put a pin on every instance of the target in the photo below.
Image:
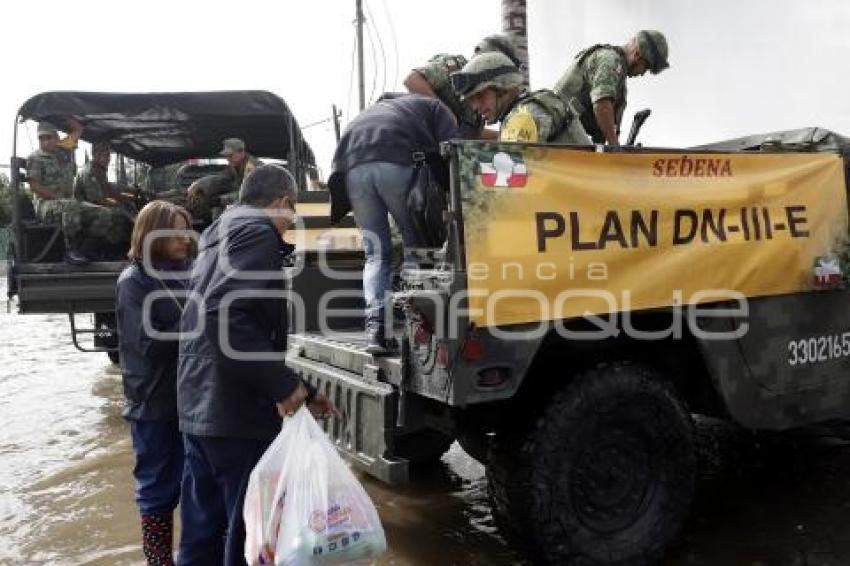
[66, 490]
[66, 494]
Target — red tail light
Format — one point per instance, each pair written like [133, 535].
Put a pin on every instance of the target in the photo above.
[472, 349]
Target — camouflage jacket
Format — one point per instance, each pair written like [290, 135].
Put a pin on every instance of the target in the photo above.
[541, 117]
[437, 72]
[598, 72]
[53, 170]
[91, 184]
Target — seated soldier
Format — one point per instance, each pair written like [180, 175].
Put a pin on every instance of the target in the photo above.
[50, 173]
[105, 211]
[209, 195]
[92, 184]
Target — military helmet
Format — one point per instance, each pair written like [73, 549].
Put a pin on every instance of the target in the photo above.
[499, 43]
[653, 48]
[486, 70]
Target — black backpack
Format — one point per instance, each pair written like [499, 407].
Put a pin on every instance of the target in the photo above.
[426, 201]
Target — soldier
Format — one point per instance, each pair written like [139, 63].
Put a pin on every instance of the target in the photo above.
[50, 173]
[492, 85]
[105, 224]
[209, 193]
[594, 87]
[92, 184]
[433, 80]
[240, 163]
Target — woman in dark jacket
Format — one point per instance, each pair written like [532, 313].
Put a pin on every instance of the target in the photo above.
[150, 297]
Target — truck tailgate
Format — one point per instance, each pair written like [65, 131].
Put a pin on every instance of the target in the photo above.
[357, 384]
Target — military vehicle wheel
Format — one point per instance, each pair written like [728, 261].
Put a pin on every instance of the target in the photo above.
[423, 448]
[114, 357]
[605, 476]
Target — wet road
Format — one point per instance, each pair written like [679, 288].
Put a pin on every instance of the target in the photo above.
[66, 491]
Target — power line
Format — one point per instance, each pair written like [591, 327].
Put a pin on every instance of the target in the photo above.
[372, 22]
[316, 123]
[395, 41]
[369, 30]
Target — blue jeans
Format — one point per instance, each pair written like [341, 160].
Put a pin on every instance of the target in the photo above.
[374, 189]
[159, 465]
[213, 493]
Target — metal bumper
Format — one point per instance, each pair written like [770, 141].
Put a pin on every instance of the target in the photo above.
[363, 434]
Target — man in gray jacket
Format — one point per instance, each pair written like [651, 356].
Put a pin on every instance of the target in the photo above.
[233, 386]
[373, 168]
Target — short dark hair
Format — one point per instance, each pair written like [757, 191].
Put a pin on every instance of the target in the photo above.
[266, 184]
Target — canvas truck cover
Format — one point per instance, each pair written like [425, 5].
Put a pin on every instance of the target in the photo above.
[555, 233]
[167, 127]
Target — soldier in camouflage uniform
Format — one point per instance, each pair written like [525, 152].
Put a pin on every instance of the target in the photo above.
[50, 173]
[107, 225]
[493, 86]
[433, 79]
[213, 192]
[594, 87]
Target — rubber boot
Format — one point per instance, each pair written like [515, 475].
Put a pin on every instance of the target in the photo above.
[157, 535]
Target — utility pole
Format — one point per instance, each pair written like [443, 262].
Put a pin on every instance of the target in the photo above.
[361, 72]
[515, 26]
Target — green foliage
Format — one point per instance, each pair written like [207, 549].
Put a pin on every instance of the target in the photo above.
[5, 201]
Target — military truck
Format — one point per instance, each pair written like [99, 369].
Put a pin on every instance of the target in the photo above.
[156, 130]
[586, 304]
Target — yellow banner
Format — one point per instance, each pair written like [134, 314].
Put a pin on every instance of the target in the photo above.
[552, 233]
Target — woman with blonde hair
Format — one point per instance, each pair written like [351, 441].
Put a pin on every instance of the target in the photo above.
[150, 297]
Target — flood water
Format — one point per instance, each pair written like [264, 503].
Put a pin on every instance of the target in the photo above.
[66, 489]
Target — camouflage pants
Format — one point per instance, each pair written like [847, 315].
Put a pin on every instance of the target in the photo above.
[88, 228]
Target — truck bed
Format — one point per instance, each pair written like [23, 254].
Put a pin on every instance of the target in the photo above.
[50, 288]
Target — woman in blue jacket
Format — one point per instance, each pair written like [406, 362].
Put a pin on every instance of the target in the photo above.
[150, 297]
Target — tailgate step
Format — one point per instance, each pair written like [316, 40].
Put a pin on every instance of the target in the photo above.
[368, 411]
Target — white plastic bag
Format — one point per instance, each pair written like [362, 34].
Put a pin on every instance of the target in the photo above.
[305, 507]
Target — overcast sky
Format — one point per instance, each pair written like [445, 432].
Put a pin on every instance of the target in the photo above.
[737, 66]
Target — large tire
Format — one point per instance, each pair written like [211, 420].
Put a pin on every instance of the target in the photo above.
[423, 448]
[605, 476]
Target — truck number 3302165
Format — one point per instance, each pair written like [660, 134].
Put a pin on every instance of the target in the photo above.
[818, 349]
